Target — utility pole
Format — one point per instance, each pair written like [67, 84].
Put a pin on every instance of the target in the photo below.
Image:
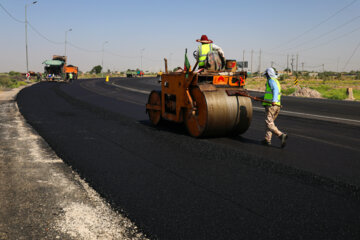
[170, 61]
[302, 66]
[243, 61]
[297, 62]
[287, 64]
[292, 63]
[102, 57]
[66, 39]
[252, 53]
[323, 67]
[26, 38]
[141, 55]
[260, 63]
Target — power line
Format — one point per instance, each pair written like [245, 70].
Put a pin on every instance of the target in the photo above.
[122, 56]
[31, 26]
[8, 13]
[347, 62]
[317, 25]
[82, 49]
[41, 35]
[334, 39]
[324, 34]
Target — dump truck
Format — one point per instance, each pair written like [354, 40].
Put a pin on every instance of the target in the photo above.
[73, 70]
[210, 103]
[57, 70]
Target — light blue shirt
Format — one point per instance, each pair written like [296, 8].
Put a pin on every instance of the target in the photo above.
[274, 88]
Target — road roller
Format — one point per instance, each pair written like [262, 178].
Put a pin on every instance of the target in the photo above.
[202, 100]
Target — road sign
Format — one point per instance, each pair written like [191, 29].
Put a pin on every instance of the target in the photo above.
[296, 81]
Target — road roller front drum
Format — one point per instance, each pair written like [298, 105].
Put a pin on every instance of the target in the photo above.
[218, 114]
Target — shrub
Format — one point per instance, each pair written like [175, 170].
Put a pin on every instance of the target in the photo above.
[357, 76]
[356, 94]
[12, 73]
[331, 93]
[288, 91]
[11, 81]
[283, 77]
[338, 76]
[5, 81]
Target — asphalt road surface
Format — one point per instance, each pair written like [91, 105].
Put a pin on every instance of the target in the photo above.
[174, 186]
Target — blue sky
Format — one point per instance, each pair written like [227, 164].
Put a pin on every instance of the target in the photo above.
[319, 31]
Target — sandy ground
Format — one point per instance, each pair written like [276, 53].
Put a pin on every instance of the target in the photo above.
[40, 196]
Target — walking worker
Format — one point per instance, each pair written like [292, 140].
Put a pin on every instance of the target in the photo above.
[206, 47]
[272, 105]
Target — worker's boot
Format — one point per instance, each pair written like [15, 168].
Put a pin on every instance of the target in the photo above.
[266, 143]
[283, 138]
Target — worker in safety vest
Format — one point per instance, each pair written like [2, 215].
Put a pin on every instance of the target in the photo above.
[206, 47]
[272, 105]
[70, 76]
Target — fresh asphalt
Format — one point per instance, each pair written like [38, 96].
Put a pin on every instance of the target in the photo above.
[174, 186]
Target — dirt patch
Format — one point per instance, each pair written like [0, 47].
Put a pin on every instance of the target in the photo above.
[306, 92]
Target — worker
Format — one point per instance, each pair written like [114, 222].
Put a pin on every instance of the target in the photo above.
[206, 47]
[70, 77]
[272, 105]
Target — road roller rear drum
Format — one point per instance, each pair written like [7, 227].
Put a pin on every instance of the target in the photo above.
[154, 112]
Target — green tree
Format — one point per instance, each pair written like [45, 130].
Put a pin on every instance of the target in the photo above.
[338, 76]
[97, 69]
[357, 76]
[12, 73]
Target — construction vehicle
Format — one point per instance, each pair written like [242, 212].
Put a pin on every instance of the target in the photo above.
[57, 70]
[131, 73]
[71, 69]
[201, 100]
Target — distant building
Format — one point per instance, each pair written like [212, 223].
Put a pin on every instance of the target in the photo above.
[313, 74]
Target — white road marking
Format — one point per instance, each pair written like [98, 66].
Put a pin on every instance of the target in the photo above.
[118, 98]
[326, 142]
[283, 112]
[314, 116]
[131, 89]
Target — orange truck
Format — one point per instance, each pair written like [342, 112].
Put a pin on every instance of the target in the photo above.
[73, 70]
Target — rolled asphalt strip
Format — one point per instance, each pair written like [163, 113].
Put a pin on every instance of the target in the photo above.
[43, 198]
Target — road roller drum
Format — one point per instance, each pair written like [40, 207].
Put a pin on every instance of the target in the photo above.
[217, 114]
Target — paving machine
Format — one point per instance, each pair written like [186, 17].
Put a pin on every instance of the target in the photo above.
[210, 103]
[57, 69]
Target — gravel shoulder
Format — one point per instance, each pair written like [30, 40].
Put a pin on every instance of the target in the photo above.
[40, 196]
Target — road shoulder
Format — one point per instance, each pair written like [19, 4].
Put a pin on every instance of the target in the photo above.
[40, 196]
